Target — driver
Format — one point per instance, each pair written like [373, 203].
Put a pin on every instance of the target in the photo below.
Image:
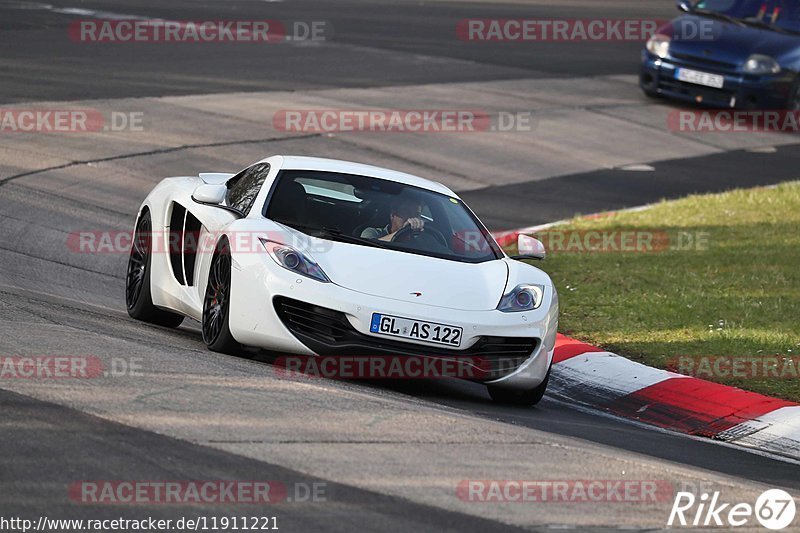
[404, 212]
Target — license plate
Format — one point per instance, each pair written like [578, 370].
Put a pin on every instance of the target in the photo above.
[420, 330]
[700, 78]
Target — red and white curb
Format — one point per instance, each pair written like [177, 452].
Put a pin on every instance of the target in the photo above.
[588, 375]
[603, 380]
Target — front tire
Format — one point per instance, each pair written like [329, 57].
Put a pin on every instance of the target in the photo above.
[793, 102]
[216, 303]
[138, 297]
[524, 398]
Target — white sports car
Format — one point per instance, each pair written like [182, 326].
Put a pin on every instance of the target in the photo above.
[310, 256]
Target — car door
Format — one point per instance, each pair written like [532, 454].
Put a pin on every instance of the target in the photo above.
[195, 229]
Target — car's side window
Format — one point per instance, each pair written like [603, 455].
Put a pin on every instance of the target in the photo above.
[243, 189]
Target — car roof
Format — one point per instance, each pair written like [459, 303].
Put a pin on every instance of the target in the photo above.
[294, 162]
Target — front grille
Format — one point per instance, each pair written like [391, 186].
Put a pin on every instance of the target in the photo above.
[328, 332]
[722, 66]
[326, 325]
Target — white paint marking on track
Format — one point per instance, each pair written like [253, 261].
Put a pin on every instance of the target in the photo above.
[777, 431]
[76, 11]
[616, 375]
[638, 168]
[762, 150]
[102, 15]
[593, 411]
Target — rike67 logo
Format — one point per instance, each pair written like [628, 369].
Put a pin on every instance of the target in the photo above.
[774, 509]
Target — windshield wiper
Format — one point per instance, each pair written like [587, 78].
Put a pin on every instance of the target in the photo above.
[334, 234]
[346, 237]
[758, 23]
[716, 15]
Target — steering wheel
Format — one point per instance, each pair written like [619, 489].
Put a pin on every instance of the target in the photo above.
[407, 231]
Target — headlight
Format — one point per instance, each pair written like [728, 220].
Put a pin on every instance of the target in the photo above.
[760, 64]
[291, 259]
[658, 45]
[522, 298]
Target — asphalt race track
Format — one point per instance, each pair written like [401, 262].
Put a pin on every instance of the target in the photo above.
[390, 454]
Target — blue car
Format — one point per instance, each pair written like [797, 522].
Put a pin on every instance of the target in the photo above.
[727, 54]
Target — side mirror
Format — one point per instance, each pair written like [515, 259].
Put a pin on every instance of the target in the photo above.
[529, 248]
[684, 5]
[210, 194]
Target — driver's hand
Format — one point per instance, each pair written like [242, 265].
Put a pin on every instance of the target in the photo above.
[417, 224]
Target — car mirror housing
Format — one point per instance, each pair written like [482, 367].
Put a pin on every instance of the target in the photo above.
[210, 194]
[529, 248]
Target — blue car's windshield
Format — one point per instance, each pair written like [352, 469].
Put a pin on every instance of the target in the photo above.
[783, 14]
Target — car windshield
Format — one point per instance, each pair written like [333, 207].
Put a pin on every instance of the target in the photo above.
[783, 14]
[369, 211]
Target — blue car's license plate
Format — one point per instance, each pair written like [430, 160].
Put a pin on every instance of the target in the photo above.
[700, 78]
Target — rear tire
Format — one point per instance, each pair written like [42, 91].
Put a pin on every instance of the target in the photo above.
[216, 303]
[524, 398]
[138, 297]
